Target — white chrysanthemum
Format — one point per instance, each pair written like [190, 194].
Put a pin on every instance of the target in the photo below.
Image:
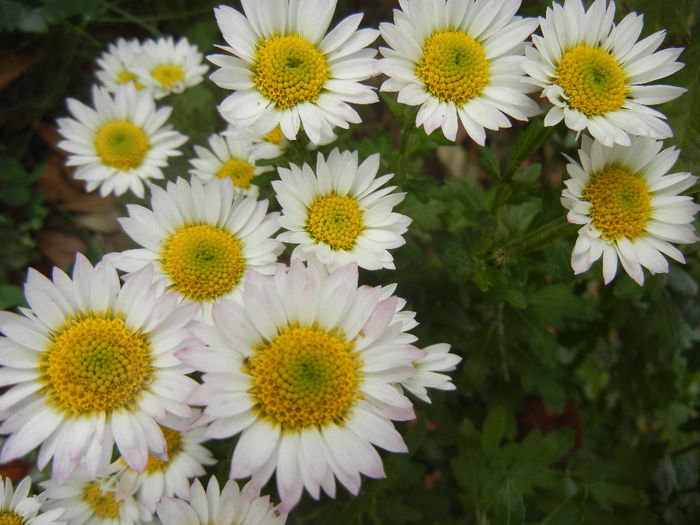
[234, 155]
[231, 507]
[460, 60]
[93, 502]
[17, 507]
[594, 72]
[307, 377]
[340, 213]
[117, 64]
[166, 66]
[286, 72]
[202, 239]
[121, 143]
[166, 477]
[438, 359]
[630, 209]
[91, 364]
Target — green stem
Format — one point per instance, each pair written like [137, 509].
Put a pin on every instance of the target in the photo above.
[133, 19]
[539, 236]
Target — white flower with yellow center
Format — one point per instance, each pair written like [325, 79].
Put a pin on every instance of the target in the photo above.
[93, 502]
[629, 207]
[232, 506]
[594, 72]
[340, 213]
[17, 507]
[166, 66]
[91, 364]
[308, 377]
[286, 72]
[459, 60]
[202, 239]
[166, 477]
[117, 64]
[121, 143]
[428, 371]
[233, 155]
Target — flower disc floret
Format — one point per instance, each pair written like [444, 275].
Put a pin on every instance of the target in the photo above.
[304, 377]
[240, 171]
[620, 203]
[168, 75]
[122, 145]
[95, 363]
[10, 518]
[103, 504]
[173, 443]
[203, 261]
[592, 80]
[453, 66]
[289, 70]
[335, 220]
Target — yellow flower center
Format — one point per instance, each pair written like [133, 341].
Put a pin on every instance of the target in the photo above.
[203, 261]
[289, 70]
[453, 66]
[275, 136]
[334, 220]
[305, 376]
[95, 363]
[10, 518]
[168, 75]
[173, 441]
[127, 76]
[621, 203]
[239, 170]
[102, 504]
[122, 145]
[592, 80]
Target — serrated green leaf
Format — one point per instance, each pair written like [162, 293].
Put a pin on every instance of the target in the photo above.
[494, 428]
[489, 160]
[508, 507]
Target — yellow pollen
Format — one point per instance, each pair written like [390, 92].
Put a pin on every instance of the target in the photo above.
[173, 441]
[168, 75]
[305, 376]
[335, 221]
[102, 503]
[203, 261]
[621, 203]
[240, 171]
[95, 363]
[289, 70]
[122, 145]
[275, 136]
[127, 76]
[453, 66]
[592, 80]
[10, 518]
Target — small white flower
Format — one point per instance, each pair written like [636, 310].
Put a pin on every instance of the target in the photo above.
[596, 73]
[18, 507]
[117, 64]
[438, 359]
[121, 143]
[629, 207]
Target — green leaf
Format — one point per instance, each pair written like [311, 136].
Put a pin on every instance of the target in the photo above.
[494, 429]
[489, 160]
[10, 296]
[527, 143]
[508, 507]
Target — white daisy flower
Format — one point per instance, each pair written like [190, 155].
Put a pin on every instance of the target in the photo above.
[438, 359]
[93, 502]
[121, 143]
[234, 155]
[166, 477]
[307, 378]
[286, 72]
[91, 364]
[232, 507]
[341, 213]
[629, 207]
[117, 64]
[460, 61]
[594, 72]
[17, 507]
[202, 240]
[166, 66]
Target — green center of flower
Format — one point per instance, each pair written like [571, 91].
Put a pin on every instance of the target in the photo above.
[122, 145]
[102, 504]
[95, 363]
[127, 76]
[592, 80]
[305, 376]
[289, 70]
[335, 221]
[10, 518]
[453, 66]
[621, 203]
[203, 261]
[168, 75]
[240, 171]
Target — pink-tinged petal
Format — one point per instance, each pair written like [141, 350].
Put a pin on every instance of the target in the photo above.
[130, 441]
[254, 448]
[38, 429]
[289, 482]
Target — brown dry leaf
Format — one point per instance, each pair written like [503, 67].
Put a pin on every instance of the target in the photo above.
[12, 67]
[50, 134]
[15, 470]
[60, 247]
